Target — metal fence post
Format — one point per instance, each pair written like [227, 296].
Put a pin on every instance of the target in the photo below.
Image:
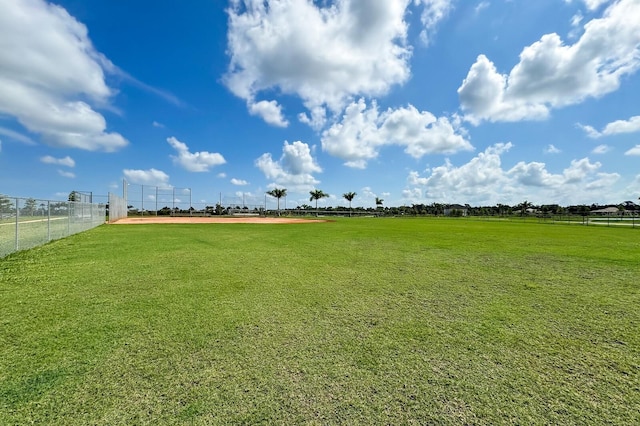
[17, 221]
[48, 220]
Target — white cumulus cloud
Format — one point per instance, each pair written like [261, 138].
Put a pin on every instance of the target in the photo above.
[479, 176]
[194, 161]
[591, 5]
[484, 179]
[270, 112]
[631, 125]
[552, 149]
[633, 151]
[294, 170]
[412, 195]
[363, 131]
[323, 52]
[435, 11]
[66, 161]
[150, 177]
[12, 134]
[601, 149]
[551, 74]
[49, 96]
[239, 182]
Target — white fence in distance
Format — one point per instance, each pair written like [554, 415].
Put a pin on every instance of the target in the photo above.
[117, 208]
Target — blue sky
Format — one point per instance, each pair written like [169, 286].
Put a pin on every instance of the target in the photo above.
[411, 101]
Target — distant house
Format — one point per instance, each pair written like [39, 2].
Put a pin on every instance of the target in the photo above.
[527, 211]
[607, 211]
[456, 210]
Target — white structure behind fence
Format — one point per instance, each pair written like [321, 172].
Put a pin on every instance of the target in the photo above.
[117, 208]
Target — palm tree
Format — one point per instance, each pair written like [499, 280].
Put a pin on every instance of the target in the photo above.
[5, 205]
[379, 202]
[524, 206]
[438, 208]
[316, 194]
[349, 196]
[278, 193]
[30, 206]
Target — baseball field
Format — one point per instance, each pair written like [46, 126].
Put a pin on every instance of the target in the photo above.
[349, 321]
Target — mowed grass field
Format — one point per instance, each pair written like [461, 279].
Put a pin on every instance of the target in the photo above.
[357, 321]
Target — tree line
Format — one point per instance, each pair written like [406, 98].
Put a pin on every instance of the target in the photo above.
[439, 209]
[32, 208]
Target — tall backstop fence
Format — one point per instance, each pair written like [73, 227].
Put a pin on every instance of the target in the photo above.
[144, 200]
[147, 199]
[29, 222]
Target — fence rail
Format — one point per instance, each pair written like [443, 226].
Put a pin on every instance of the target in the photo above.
[28, 222]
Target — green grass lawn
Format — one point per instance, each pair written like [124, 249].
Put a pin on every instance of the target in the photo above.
[357, 321]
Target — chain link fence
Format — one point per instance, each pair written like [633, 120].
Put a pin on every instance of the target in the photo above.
[142, 200]
[30, 222]
[150, 200]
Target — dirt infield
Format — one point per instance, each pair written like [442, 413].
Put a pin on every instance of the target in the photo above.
[211, 219]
